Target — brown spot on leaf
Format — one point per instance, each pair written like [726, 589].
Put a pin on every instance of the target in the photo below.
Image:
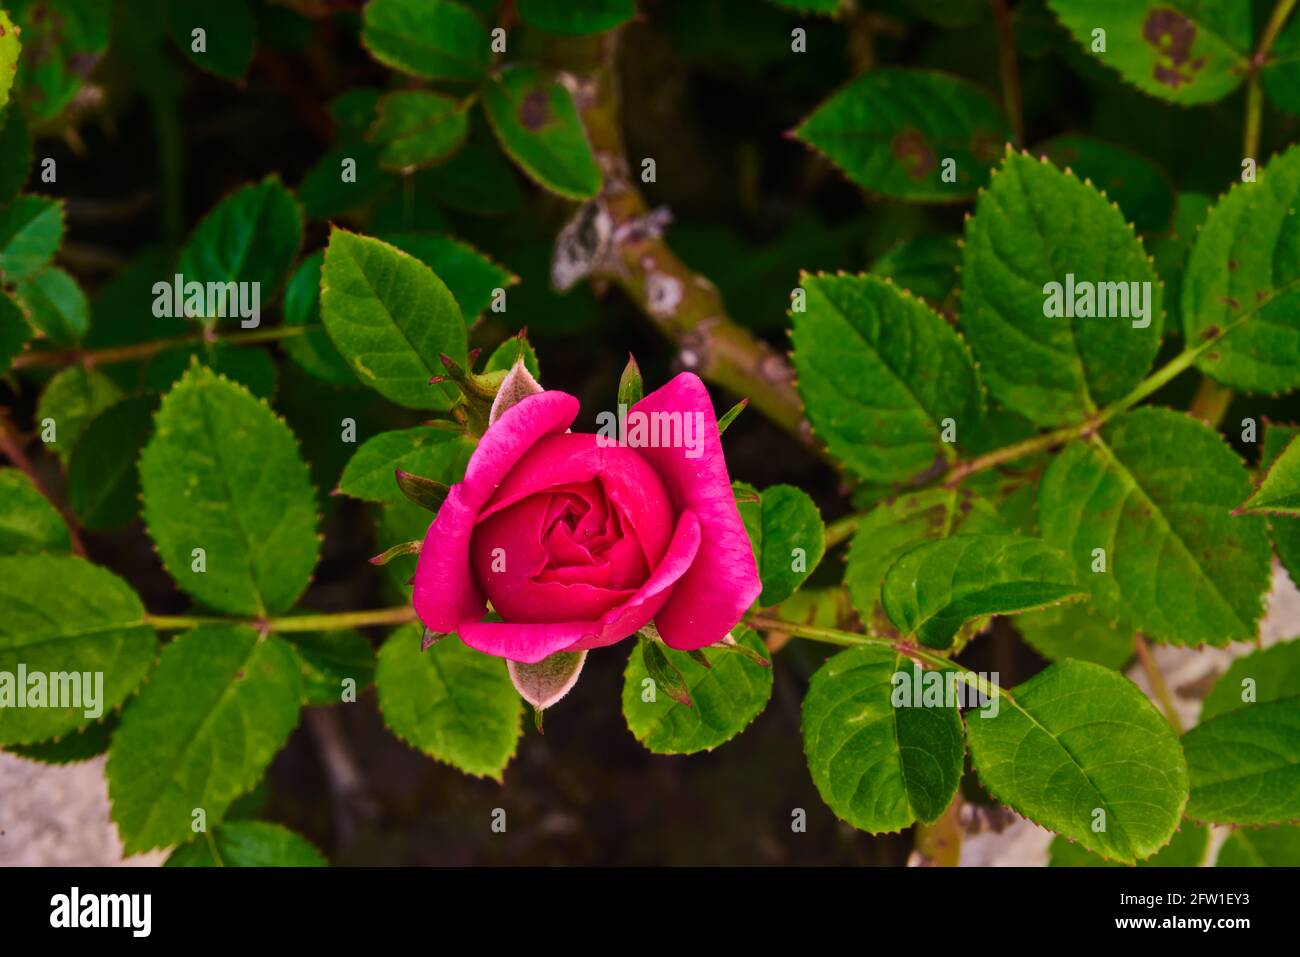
[1172, 34]
[1209, 332]
[535, 110]
[914, 153]
[1231, 303]
[1232, 265]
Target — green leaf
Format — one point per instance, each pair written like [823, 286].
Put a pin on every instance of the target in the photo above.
[64, 41]
[89, 742]
[31, 228]
[1265, 675]
[14, 331]
[893, 130]
[878, 765]
[103, 486]
[1279, 489]
[1284, 529]
[9, 50]
[663, 673]
[418, 128]
[390, 316]
[328, 659]
[1245, 765]
[936, 587]
[324, 192]
[576, 17]
[451, 702]
[890, 529]
[1169, 251]
[537, 123]
[433, 39]
[471, 276]
[725, 698]
[477, 179]
[1078, 739]
[1183, 51]
[1076, 630]
[247, 844]
[1142, 191]
[1188, 848]
[925, 266]
[1155, 490]
[312, 350]
[251, 236]
[1241, 282]
[251, 367]
[879, 372]
[218, 707]
[786, 531]
[1280, 77]
[222, 473]
[432, 453]
[70, 622]
[229, 34]
[1036, 226]
[1274, 847]
[504, 356]
[56, 305]
[29, 524]
[15, 146]
[72, 400]
[809, 6]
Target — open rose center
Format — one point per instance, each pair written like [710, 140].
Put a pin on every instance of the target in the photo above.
[574, 531]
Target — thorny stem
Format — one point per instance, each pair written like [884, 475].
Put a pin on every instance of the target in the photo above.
[682, 304]
[1010, 71]
[144, 350]
[1157, 683]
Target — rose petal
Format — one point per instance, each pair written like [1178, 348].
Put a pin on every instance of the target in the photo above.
[445, 594]
[723, 582]
[630, 483]
[637, 611]
[531, 643]
[515, 535]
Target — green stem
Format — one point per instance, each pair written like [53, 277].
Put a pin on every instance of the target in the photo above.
[144, 350]
[841, 530]
[333, 621]
[1157, 683]
[1040, 443]
[398, 615]
[852, 639]
[1254, 108]
[1281, 11]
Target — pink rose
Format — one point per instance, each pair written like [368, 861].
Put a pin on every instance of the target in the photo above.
[578, 543]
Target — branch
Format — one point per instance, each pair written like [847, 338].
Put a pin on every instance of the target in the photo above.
[616, 238]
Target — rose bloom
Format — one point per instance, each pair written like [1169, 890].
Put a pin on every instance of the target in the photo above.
[579, 544]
